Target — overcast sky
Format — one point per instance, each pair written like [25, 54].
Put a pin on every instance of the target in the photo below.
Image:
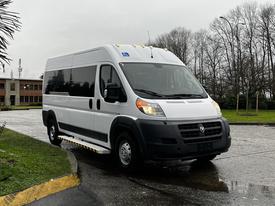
[56, 27]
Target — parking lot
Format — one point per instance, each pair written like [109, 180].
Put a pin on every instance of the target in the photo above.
[243, 176]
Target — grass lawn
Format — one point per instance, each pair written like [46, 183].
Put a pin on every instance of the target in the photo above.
[25, 107]
[25, 161]
[263, 116]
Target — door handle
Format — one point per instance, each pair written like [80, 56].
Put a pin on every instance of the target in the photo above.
[91, 103]
[98, 104]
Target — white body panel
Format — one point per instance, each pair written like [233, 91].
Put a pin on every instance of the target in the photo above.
[185, 109]
[75, 111]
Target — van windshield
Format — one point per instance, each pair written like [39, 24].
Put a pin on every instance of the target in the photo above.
[162, 81]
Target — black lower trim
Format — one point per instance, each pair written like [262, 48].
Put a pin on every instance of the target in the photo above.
[85, 132]
[163, 140]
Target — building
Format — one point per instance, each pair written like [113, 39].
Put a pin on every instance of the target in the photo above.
[20, 91]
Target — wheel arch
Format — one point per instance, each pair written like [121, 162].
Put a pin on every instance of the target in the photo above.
[128, 124]
[47, 115]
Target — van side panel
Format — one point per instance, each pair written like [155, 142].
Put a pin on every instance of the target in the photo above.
[89, 58]
[59, 63]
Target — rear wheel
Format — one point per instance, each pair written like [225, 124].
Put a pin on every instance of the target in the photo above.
[206, 158]
[53, 132]
[127, 152]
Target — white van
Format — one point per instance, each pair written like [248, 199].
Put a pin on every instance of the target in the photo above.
[135, 102]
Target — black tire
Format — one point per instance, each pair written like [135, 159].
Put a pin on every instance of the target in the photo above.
[125, 144]
[53, 132]
[206, 158]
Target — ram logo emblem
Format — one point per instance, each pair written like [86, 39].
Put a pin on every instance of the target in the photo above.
[202, 129]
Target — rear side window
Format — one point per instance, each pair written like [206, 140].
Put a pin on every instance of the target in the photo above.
[73, 82]
[83, 82]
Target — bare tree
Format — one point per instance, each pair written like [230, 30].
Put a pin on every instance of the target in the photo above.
[267, 15]
[178, 41]
[212, 62]
[234, 57]
[198, 48]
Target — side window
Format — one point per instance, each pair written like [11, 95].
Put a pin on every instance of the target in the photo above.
[12, 86]
[2, 86]
[108, 75]
[105, 77]
[73, 82]
[49, 82]
[83, 81]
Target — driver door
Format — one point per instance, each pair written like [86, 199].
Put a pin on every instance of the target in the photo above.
[107, 111]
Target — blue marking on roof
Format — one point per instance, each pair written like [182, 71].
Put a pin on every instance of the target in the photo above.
[125, 54]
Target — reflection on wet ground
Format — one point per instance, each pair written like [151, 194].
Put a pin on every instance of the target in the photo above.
[191, 174]
[194, 174]
[250, 190]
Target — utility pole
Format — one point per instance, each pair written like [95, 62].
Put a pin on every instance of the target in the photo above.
[12, 75]
[237, 106]
[20, 69]
[247, 95]
[257, 101]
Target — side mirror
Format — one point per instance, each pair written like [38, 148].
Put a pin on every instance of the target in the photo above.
[112, 93]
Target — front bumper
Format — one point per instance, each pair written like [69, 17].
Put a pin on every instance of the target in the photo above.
[168, 140]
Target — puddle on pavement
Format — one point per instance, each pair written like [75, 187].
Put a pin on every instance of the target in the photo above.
[251, 190]
[189, 174]
[192, 174]
[204, 177]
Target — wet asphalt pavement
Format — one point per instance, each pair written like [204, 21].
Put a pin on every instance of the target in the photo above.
[243, 176]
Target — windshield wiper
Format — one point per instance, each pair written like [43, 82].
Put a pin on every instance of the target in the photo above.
[178, 96]
[149, 92]
[185, 95]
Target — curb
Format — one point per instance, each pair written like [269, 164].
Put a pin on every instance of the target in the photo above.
[73, 161]
[45, 189]
[252, 123]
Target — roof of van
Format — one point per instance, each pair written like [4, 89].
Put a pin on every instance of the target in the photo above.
[115, 53]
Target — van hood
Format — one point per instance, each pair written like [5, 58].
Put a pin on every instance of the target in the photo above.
[189, 109]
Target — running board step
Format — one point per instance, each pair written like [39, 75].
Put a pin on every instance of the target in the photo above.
[95, 148]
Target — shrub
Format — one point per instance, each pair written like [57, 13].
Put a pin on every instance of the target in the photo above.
[5, 108]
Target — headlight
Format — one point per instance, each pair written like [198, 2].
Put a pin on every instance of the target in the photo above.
[216, 105]
[152, 109]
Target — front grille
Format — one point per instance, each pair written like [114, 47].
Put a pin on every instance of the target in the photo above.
[201, 132]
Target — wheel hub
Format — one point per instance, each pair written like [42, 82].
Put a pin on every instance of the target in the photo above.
[52, 132]
[125, 153]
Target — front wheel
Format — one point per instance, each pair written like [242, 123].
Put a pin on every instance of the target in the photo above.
[127, 152]
[53, 132]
